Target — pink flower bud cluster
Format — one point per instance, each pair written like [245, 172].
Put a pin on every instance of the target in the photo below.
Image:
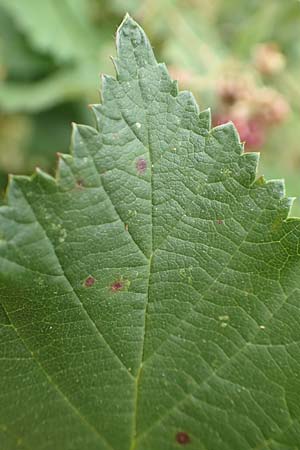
[252, 108]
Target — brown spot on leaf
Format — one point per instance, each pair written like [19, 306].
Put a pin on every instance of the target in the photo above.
[89, 281]
[220, 222]
[79, 184]
[117, 286]
[141, 165]
[126, 226]
[182, 438]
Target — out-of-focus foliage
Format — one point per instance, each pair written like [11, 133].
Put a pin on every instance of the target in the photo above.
[238, 57]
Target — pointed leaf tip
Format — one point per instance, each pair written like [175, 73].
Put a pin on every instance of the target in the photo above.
[133, 48]
[127, 21]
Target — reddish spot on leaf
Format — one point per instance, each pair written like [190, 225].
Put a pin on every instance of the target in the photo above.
[141, 165]
[183, 438]
[220, 222]
[89, 281]
[117, 286]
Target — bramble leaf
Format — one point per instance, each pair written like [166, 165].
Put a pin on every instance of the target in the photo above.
[150, 293]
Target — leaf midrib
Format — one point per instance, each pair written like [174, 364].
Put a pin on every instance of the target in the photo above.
[150, 262]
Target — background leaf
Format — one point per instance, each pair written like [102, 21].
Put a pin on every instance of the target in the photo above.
[69, 19]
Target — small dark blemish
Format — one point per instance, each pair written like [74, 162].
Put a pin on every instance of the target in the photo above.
[79, 184]
[117, 286]
[182, 438]
[89, 281]
[220, 222]
[141, 165]
[126, 226]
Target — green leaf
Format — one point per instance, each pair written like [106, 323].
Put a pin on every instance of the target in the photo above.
[65, 85]
[150, 293]
[77, 47]
[17, 59]
[61, 28]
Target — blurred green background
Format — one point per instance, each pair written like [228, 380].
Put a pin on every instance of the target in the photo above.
[240, 57]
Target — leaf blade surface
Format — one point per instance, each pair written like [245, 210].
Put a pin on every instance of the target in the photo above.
[150, 293]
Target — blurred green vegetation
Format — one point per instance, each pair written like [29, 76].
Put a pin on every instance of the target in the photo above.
[241, 57]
